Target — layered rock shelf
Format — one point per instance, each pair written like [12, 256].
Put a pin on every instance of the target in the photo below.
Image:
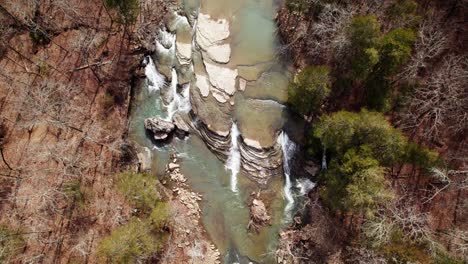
[201, 57]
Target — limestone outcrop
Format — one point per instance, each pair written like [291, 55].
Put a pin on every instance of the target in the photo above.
[210, 35]
[160, 128]
[258, 215]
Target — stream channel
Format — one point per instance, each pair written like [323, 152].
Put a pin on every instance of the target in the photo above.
[218, 63]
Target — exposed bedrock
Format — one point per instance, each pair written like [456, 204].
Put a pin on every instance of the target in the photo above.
[159, 127]
[213, 122]
[210, 35]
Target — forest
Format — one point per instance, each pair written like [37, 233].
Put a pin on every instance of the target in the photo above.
[300, 131]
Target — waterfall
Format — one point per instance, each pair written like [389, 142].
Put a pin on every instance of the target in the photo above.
[288, 148]
[155, 79]
[305, 185]
[165, 43]
[179, 19]
[324, 159]
[173, 105]
[179, 102]
[234, 160]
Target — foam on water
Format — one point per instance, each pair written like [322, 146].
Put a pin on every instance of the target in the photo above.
[173, 105]
[155, 79]
[305, 186]
[288, 147]
[234, 160]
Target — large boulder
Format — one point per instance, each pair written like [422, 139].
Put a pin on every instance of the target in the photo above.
[258, 212]
[182, 128]
[159, 127]
[258, 215]
[210, 35]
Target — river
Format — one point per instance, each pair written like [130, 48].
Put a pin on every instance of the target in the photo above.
[253, 115]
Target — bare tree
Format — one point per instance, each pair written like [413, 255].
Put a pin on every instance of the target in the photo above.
[379, 229]
[328, 33]
[432, 41]
[441, 103]
[51, 102]
[446, 178]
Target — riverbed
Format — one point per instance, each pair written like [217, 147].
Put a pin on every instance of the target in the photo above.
[251, 118]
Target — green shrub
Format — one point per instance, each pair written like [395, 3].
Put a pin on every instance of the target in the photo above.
[420, 156]
[360, 146]
[299, 6]
[356, 183]
[159, 216]
[444, 259]
[404, 11]
[131, 243]
[344, 130]
[364, 36]
[11, 244]
[127, 9]
[139, 189]
[308, 90]
[395, 50]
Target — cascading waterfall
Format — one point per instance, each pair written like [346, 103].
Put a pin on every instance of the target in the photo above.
[179, 19]
[305, 185]
[234, 160]
[173, 105]
[324, 159]
[156, 79]
[165, 43]
[288, 147]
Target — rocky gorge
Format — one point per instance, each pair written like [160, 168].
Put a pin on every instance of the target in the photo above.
[204, 74]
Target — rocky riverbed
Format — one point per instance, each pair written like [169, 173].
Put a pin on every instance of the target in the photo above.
[188, 240]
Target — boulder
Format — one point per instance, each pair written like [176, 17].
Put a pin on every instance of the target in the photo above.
[219, 53]
[159, 127]
[203, 85]
[173, 166]
[184, 52]
[210, 35]
[258, 212]
[258, 215]
[181, 126]
[224, 79]
[211, 32]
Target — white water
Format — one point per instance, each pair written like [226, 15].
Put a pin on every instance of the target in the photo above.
[179, 19]
[234, 160]
[173, 105]
[156, 79]
[179, 102]
[163, 40]
[305, 186]
[324, 159]
[288, 148]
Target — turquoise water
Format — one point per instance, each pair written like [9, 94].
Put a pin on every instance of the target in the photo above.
[260, 116]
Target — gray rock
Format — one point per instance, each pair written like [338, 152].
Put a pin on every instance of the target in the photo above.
[159, 127]
[180, 124]
[258, 212]
[173, 166]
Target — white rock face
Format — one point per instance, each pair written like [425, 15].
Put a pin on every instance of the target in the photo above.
[203, 85]
[224, 79]
[252, 143]
[184, 52]
[242, 84]
[219, 96]
[210, 35]
[219, 53]
[211, 30]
